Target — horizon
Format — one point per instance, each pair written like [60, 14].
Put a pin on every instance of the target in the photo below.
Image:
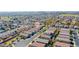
[26, 13]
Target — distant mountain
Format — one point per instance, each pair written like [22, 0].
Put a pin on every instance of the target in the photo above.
[24, 13]
[37, 13]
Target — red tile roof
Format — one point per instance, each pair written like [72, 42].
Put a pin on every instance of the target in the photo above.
[38, 44]
[62, 44]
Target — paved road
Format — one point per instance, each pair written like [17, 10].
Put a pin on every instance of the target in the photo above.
[22, 43]
[76, 39]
